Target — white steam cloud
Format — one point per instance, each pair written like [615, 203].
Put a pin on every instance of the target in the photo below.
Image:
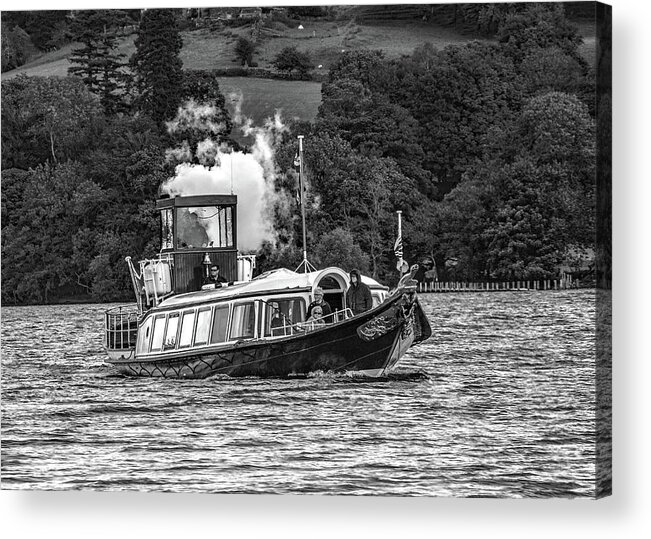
[250, 176]
[196, 117]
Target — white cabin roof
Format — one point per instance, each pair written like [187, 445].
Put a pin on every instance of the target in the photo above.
[270, 282]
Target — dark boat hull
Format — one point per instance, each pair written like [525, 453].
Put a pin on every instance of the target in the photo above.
[370, 344]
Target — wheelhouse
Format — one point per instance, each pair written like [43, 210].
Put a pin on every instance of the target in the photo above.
[194, 228]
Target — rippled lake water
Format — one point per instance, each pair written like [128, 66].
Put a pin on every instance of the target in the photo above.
[499, 402]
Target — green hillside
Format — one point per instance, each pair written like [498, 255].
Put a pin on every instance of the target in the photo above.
[206, 48]
[213, 49]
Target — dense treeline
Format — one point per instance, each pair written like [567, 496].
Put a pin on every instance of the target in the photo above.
[487, 148]
[83, 158]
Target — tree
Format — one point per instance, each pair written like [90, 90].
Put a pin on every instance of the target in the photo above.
[46, 118]
[338, 248]
[556, 128]
[244, 50]
[544, 47]
[374, 126]
[46, 28]
[357, 193]
[531, 200]
[357, 105]
[57, 203]
[457, 99]
[98, 63]
[306, 11]
[120, 139]
[16, 47]
[523, 28]
[362, 66]
[157, 66]
[430, 112]
[203, 115]
[290, 59]
[551, 69]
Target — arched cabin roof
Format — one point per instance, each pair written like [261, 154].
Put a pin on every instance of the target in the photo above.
[279, 281]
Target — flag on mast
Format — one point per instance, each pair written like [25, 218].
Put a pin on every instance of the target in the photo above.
[299, 191]
[397, 248]
[402, 265]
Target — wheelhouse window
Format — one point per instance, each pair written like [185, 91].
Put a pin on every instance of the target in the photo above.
[281, 313]
[205, 226]
[219, 324]
[167, 228]
[243, 324]
[203, 326]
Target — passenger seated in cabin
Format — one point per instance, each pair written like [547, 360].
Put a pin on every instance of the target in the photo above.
[214, 277]
[319, 301]
[315, 321]
[277, 324]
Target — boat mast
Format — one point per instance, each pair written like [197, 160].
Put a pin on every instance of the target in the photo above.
[305, 264]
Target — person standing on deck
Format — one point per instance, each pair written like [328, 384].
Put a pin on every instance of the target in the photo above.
[358, 295]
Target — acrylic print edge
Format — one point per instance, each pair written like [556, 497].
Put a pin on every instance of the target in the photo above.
[603, 341]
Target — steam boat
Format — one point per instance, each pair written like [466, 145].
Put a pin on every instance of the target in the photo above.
[183, 328]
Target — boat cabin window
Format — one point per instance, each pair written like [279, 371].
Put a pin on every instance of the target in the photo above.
[170, 332]
[144, 334]
[283, 312]
[219, 324]
[187, 325]
[243, 324]
[203, 326]
[206, 226]
[159, 331]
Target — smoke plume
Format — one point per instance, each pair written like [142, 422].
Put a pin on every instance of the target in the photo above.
[250, 176]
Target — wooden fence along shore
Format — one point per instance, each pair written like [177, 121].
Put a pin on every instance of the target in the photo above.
[455, 286]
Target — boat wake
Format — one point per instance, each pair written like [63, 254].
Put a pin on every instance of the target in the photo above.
[360, 377]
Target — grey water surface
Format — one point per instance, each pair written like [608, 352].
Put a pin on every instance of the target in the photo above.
[499, 402]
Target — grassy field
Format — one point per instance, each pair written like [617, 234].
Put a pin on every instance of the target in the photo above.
[204, 48]
[324, 41]
[262, 97]
[209, 49]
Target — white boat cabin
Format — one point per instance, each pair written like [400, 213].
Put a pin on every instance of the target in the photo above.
[273, 305]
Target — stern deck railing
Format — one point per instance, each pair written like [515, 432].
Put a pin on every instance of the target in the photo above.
[121, 328]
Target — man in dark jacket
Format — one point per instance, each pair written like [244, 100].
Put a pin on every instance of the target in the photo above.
[214, 277]
[358, 295]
